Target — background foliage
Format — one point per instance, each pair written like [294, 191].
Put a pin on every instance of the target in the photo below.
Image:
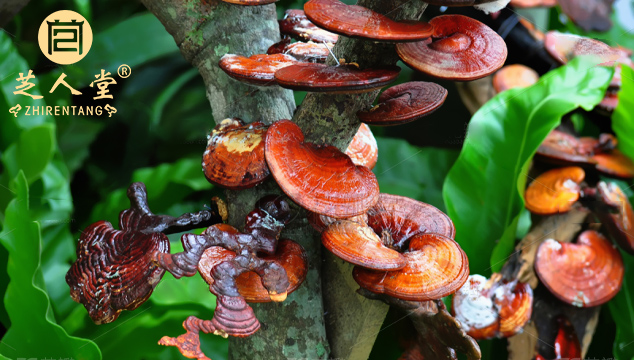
[59, 174]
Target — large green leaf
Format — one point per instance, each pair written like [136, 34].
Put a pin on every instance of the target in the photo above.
[34, 331]
[623, 116]
[622, 305]
[414, 172]
[484, 189]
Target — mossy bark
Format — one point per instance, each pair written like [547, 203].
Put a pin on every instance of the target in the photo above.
[206, 30]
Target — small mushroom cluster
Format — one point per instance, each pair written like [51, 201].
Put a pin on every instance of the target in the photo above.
[118, 269]
[590, 271]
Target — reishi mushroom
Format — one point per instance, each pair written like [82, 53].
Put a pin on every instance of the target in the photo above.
[360, 245]
[492, 308]
[363, 149]
[257, 69]
[360, 22]
[302, 51]
[562, 148]
[554, 191]
[404, 103]
[514, 76]
[614, 163]
[565, 47]
[460, 49]
[435, 267]
[584, 274]
[115, 269]
[234, 157]
[297, 25]
[321, 179]
[334, 79]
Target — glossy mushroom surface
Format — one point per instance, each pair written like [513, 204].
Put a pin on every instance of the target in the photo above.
[460, 49]
[492, 308]
[256, 69]
[363, 149]
[514, 76]
[334, 79]
[436, 267]
[360, 245]
[234, 158]
[297, 25]
[398, 218]
[619, 220]
[404, 103]
[615, 163]
[357, 21]
[250, 2]
[562, 148]
[584, 274]
[321, 179]
[554, 191]
[302, 51]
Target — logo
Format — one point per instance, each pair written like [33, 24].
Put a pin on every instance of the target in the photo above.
[65, 37]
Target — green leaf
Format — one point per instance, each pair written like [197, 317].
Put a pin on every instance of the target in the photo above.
[484, 189]
[414, 172]
[623, 116]
[34, 331]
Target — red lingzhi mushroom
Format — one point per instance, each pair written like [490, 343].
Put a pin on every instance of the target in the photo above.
[334, 79]
[403, 103]
[554, 191]
[234, 158]
[363, 149]
[615, 163]
[514, 76]
[460, 49]
[619, 224]
[257, 69]
[321, 179]
[297, 25]
[586, 273]
[357, 21]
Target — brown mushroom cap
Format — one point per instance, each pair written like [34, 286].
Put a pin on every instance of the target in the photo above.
[406, 102]
[289, 254]
[398, 218]
[492, 308]
[363, 150]
[297, 25]
[436, 267]
[561, 147]
[234, 158]
[334, 79]
[321, 179]
[585, 274]
[359, 245]
[565, 47]
[514, 76]
[615, 163]
[554, 191]
[360, 22]
[306, 52]
[460, 49]
[620, 225]
[256, 69]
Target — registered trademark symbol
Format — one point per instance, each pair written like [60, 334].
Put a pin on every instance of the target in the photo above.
[124, 71]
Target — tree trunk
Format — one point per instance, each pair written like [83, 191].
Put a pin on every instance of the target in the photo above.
[206, 30]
